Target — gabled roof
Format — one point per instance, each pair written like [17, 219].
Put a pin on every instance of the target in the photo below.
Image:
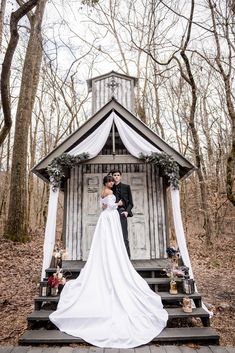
[90, 125]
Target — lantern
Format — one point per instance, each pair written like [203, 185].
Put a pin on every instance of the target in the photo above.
[43, 289]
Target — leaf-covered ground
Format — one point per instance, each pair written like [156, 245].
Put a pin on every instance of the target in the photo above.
[20, 272]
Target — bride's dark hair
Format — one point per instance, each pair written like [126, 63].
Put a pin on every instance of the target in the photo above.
[107, 178]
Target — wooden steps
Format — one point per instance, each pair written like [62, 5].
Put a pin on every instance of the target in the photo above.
[41, 330]
[168, 335]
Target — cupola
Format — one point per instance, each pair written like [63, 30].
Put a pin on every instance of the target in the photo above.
[112, 85]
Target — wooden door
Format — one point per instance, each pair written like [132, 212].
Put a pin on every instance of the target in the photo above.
[138, 225]
[90, 210]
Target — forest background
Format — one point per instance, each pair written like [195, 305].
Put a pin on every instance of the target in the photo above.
[182, 52]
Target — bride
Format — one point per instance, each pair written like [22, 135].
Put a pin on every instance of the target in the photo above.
[109, 304]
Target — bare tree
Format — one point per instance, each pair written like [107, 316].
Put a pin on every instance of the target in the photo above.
[198, 158]
[225, 70]
[17, 225]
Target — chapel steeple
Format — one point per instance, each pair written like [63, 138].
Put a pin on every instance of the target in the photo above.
[112, 84]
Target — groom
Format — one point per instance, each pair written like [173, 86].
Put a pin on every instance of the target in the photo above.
[123, 193]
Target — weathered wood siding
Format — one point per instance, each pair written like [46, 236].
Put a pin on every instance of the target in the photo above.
[147, 229]
[123, 92]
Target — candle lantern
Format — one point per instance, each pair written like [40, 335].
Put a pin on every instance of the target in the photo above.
[187, 305]
[188, 285]
[173, 287]
[43, 289]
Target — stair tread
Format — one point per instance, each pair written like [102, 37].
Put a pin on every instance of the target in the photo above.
[163, 295]
[43, 315]
[47, 299]
[169, 296]
[159, 280]
[139, 265]
[168, 334]
[178, 312]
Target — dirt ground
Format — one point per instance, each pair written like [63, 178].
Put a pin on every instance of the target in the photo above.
[20, 272]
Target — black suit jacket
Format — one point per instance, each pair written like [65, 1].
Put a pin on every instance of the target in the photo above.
[126, 197]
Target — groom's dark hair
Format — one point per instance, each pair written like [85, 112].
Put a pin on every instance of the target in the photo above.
[115, 171]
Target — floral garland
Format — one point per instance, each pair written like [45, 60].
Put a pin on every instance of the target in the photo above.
[58, 167]
[166, 163]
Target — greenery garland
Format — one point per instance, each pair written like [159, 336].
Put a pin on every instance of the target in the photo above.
[166, 163]
[58, 167]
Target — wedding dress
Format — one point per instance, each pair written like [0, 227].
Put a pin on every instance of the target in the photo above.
[110, 304]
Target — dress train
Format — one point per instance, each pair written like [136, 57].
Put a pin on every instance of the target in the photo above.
[109, 304]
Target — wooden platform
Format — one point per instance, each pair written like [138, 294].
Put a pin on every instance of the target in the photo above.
[74, 267]
[42, 331]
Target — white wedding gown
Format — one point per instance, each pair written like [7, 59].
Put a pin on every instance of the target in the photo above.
[110, 304]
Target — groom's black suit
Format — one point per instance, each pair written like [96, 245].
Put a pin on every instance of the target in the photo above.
[123, 192]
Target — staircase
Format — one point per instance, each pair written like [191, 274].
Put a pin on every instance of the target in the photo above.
[181, 327]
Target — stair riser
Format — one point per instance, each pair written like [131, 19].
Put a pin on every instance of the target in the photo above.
[172, 322]
[164, 287]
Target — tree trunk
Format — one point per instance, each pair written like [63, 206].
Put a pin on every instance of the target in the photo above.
[208, 225]
[226, 76]
[17, 224]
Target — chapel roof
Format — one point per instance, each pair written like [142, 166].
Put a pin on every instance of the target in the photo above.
[96, 120]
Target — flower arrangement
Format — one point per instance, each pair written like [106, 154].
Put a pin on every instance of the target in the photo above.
[58, 255]
[172, 252]
[56, 279]
[174, 273]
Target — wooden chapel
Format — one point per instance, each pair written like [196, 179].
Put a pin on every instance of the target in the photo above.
[148, 229]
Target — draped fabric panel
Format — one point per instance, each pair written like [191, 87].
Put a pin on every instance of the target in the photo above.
[180, 236]
[179, 230]
[134, 143]
[49, 240]
[94, 143]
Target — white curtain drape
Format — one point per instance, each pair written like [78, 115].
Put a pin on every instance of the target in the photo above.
[134, 143]
[49, 240]
[180, 236]
[92, 145]
[179, 230]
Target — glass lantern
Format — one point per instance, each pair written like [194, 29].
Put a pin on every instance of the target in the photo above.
[43, 289]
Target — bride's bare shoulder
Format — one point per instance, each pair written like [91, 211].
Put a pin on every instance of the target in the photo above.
[106, 193]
